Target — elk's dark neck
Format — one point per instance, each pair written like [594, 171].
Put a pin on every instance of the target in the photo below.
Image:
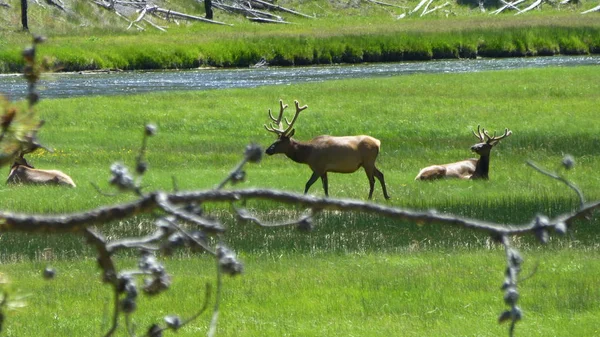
[482, 168]
[298, 151]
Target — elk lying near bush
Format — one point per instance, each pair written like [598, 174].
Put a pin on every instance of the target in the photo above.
[326, 153]
[471, 168]
[23, 173]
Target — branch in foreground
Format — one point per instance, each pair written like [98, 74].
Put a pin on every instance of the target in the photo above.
[15, 222]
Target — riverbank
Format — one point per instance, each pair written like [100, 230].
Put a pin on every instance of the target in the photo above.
[378, 36]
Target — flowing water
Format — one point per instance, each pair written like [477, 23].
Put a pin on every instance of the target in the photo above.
[122, 83]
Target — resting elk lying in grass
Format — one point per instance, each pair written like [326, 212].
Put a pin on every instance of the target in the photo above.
[325, 154]
[23, 173]
[471, 168]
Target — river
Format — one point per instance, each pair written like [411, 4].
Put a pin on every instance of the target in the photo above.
[58, 85]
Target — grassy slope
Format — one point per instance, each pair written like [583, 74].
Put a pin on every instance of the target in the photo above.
[96, 39]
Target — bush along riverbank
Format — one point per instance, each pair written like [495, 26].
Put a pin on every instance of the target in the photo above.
[300, 50]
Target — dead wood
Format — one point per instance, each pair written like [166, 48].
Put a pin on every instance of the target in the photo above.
[265, 20]
[241, 9]
[425, 12]
[508, 5]
[283, 9]
[595, 9]
[385, 4]
[58, 4]
[530, 7]
[169, 13]
[2, 4]
[426, 6]
[419, 5]
[110, 7]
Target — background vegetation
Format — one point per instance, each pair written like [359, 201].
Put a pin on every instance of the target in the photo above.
[91, 38]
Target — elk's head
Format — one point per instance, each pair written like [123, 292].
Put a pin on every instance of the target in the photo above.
[20, 161]
[284, 136]
[487, 142]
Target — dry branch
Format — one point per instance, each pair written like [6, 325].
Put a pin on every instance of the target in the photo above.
[265, 20]
[283, 9]
[530, 7]
[246, 11]
[419, 5]
[595, 9]
[168, 12]
[512, 5]
[385, 4]
[58, 4]
[425, 11]
[75, 222]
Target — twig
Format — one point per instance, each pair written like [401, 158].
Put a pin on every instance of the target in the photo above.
[561, 179]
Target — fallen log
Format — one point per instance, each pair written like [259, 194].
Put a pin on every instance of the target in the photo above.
[426, 6]
[508, 5]
[530, 7]
[595, 9]
[168, 12]
[385, 4]
[265, 20]
[283, 9]
[419, 5]
[435, 8]
[112, 9]
[57, 4]
[246, 11]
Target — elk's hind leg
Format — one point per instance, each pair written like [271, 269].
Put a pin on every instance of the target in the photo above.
[379, 176]
[325, 186]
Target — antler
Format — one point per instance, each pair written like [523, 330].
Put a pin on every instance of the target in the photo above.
[279, 131]
[495, 139]
[480, 135]
[483, 136]
[277, 120]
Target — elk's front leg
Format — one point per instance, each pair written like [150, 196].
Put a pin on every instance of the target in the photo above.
[311, 181]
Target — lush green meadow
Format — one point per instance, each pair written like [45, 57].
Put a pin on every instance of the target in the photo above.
[417, 293]
[93, 39]
[355, 273]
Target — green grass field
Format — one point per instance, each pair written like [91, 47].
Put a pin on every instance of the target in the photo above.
[355, 273]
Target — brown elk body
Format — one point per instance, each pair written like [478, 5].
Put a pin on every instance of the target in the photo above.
[467, 169]
[23, 173]
[325, 154]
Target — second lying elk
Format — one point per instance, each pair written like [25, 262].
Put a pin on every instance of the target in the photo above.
[467, 169]
[23, 173]
[325, 154]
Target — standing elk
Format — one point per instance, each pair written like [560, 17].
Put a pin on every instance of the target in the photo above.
[325, 154]
[23, 173]
[467, 169]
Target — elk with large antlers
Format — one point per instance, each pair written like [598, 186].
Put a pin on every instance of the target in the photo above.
[325, 154]
[23, 173]
[471, 168]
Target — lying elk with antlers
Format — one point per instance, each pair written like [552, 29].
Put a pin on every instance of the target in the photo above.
[23, 173]
[471, 168]
[326, 153]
